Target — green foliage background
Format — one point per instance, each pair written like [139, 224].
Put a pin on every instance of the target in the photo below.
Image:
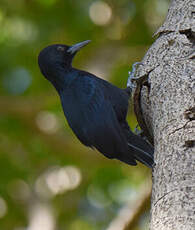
[35, 140]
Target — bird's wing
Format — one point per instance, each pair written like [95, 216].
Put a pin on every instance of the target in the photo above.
[92, 117]
[119, 100]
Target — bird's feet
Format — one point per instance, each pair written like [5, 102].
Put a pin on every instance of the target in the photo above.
[131, 82]
[138, 131]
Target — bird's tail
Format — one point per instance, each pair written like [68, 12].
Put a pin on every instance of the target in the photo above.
[140, 149]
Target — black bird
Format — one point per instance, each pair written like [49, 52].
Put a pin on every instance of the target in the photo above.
[95, 109]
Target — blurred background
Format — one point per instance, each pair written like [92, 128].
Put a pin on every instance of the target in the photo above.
[48, 180]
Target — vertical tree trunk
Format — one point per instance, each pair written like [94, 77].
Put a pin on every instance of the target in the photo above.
[168, 108]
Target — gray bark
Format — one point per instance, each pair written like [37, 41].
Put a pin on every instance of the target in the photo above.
[168, 109]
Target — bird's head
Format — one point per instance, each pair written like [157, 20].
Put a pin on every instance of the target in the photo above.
[56, 57]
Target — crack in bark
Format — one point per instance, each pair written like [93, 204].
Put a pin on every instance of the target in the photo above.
[159, 34]
[164, 196]
[181, 189]
[183, 127]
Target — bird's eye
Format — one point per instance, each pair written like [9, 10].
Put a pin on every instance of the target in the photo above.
[60, 48]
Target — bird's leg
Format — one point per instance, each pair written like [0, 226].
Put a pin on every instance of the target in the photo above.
[140, 133]
[131, 79]
[137, 131]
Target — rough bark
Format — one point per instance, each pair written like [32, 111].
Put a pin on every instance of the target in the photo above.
[168, 111]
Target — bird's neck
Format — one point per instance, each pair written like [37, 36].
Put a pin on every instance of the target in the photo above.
[63, 77]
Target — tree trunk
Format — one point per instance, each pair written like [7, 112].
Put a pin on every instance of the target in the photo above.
[168, 109]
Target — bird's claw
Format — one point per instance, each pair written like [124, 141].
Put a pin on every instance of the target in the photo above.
[140, 133]
[131, 79]
[137, 131]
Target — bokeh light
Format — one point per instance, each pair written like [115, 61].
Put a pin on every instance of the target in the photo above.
[122, 191]
[41, 188]
[41, 218]
[63, 179]
[58, 180]
[47, 122]
[16, 30]
[155, 15]
[17, 81]
[100, 13]
[97, 197]
[3, 207]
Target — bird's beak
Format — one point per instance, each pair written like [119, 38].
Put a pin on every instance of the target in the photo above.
[73, 49]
